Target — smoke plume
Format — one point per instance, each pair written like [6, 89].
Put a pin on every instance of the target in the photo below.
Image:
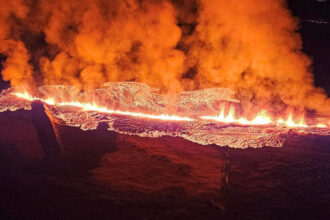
[250, 46]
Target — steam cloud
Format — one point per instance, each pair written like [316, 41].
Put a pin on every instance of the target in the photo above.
[250, 46]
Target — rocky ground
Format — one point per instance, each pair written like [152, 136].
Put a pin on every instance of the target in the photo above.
[100, 174]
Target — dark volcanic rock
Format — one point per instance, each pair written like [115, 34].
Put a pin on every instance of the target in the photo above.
[17, 129]
[291, 182]
[104, 175]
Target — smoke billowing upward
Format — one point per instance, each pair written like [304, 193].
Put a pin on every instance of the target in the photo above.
[250, 46]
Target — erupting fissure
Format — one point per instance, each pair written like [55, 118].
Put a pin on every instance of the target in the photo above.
[209, 71]
[175, 46]
[261, 118]
[97, 108]
[208, 116]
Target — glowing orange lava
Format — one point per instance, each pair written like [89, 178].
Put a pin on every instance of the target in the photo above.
[95, 107]
[291, 123]
[262, 118]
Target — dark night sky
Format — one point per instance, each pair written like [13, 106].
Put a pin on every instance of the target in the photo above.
[315, 30]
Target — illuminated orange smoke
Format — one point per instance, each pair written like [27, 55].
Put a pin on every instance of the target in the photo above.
[250, 46]
[261, 118]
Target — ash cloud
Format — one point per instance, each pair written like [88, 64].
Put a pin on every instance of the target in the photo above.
[249, 46]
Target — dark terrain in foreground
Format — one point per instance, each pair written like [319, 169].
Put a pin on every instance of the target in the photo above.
[268, 183]
[75, 174]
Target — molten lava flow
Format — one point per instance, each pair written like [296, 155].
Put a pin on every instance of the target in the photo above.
[203, 117]
[227, 117]
[262, 118]
[291, 123]
[97, 108]
[321, 126]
